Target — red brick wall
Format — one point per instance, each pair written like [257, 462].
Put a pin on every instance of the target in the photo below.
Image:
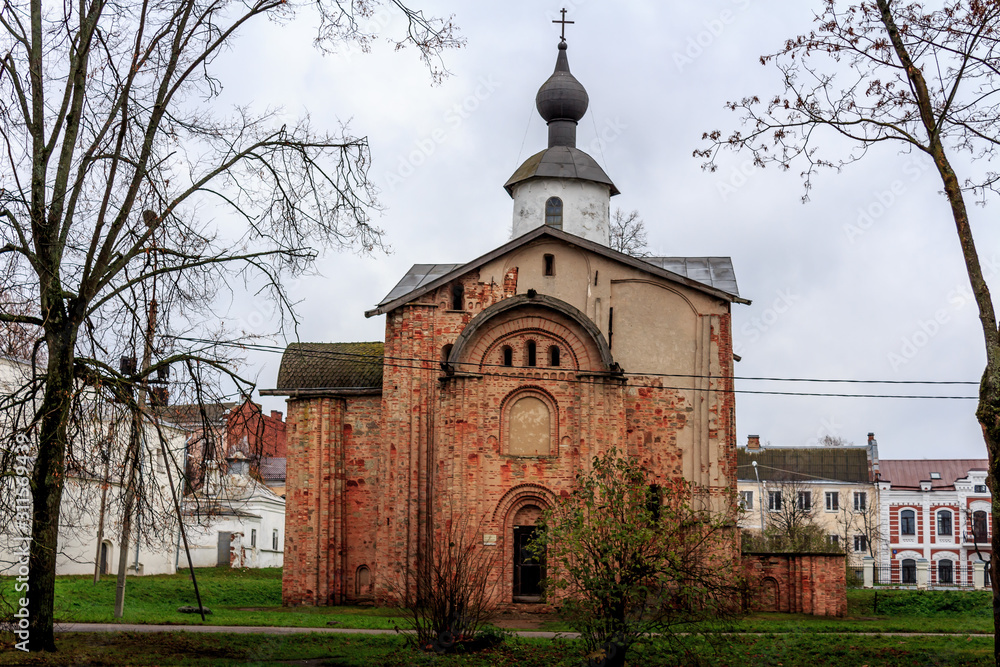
[806, 583]
[373, 481]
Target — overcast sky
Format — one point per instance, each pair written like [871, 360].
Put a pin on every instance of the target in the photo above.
[865, 281]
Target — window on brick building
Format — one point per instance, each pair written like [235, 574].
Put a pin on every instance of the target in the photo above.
[945, 572]
[532, 357]
[508, 355]
[554, 212]
[654, 501]
[860, 543]
[907, 523]
[832, 501]
[457, 296]
[774, 501]
[980, 488]
[980, 532]
[860, 501]
[746, 500]
[944, 522]
[549, 265]
[446, 352]
[554, 355]
[805, 501]
[909, 568]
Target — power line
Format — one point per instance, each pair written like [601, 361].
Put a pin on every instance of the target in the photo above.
[395, 362]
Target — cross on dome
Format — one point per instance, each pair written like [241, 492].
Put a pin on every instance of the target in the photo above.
[563, 21]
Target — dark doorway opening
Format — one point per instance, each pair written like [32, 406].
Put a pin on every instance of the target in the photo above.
[105, 568]
[528, 570]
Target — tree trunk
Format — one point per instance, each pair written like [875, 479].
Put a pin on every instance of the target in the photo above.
[988, 414]
[47, 480]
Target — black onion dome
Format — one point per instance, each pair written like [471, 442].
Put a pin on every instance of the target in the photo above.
[562, 97]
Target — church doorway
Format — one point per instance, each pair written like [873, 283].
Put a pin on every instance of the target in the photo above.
[528, 570]
[105, 560]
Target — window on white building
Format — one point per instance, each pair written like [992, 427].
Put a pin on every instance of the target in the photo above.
[274, 539]
[860, 543]
[805, 500]
[907, 523]
[746, 500]
[980, 488]
[945, 572]
[833, 540]
[253, 537]
[944, 523]
[832, 501]
[774, 501]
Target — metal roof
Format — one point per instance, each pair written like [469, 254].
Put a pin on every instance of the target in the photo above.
[908, 473]
[804, 464]
[714, 275]
[714, 271]
[418, 276]
[560, 162]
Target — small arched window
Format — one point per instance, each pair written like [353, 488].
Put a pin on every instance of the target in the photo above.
[944, 522]
[554, 355]
[907, 523]
[446, 352]
[508, 356]
[457, 296]
[554, 212]
[549, 265]
[532, 358]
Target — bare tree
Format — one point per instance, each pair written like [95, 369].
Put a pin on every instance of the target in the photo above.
[898, 74]
[628, 233]
[790, 521]
[112, 142]
[859, 518]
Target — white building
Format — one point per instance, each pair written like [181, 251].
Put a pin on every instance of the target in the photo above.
[91, 506]
[235, 520]
[938, 516]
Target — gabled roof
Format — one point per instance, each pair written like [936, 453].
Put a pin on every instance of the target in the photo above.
[329, 367]
[908, 473]
[804, 464]
[712, 275]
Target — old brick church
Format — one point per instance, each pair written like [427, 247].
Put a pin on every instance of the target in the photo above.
[499, 380]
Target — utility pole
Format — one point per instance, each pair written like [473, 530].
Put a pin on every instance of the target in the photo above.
[104, 503]
[135, 437]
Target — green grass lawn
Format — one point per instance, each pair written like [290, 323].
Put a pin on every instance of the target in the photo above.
[801, 650]
[236, 597]
[253, 597]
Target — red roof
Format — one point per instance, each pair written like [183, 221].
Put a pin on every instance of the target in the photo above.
[908, 473]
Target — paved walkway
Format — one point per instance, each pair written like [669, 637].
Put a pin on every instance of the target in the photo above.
[267, 630]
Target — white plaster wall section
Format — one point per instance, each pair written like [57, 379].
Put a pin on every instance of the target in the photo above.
[586, 207]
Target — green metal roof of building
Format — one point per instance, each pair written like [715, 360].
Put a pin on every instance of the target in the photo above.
[331, 366]
[805, 464]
